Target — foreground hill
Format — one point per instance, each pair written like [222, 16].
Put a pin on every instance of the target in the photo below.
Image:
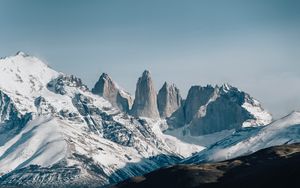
[272, 167]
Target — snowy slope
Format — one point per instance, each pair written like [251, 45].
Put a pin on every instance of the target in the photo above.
[250, 140]
[40, 142]
[261, 116]
[24, 77]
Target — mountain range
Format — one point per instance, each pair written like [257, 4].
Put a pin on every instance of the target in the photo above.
[56, 132]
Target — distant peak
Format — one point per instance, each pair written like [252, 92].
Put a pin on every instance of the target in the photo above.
[169, 85]
[165, 84]
[146, 73]
[226, 86]
[20, 53]
[104, 75]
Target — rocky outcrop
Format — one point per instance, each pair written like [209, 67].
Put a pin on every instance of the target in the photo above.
[10, 117]
[212, 109]
[43, 106]
[58, 84]
[168, 100]
[145, 104]
[109, 90]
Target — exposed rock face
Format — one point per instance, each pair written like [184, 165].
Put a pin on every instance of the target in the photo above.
[168, 100]
[11, 121]
[109, 90]
[145, 104]
[7, 109]
[197, 97]
[224, 112]
[124, 101]
[220, 115]
[208, 110]
[106, 87]
[43, 106]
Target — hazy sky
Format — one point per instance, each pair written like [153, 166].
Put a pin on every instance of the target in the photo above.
[251, 44]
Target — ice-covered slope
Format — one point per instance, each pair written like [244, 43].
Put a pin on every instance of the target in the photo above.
[67, 134]
[249, 140]
[40, 142]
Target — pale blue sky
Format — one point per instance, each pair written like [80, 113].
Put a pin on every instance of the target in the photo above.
[251, 44]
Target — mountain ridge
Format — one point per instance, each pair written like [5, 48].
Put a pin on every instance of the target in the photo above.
[100, 143]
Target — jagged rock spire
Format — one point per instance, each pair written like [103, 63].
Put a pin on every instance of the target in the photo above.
[109, 90]
[104, 86]
[168, 100]
[145, 103]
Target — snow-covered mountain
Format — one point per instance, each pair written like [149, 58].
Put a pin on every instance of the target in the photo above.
[54, 131]
[51, 120]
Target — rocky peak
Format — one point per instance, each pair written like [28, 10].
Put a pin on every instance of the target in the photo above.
[109, 90]
[105, 87]
[146, 74]
[212, 109]
[145, 103]
[168, 100]
[197, 97]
